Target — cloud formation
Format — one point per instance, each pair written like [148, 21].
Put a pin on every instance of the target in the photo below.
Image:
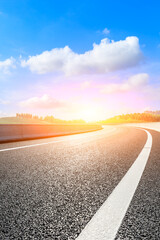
[133, 83]
[108, 56]
[6, 65]
[44, 102]
[106, 31]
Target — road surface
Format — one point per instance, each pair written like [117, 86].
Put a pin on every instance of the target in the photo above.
[60, 188]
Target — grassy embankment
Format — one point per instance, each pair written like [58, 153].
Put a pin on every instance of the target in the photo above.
[15, 120]
[32, 120]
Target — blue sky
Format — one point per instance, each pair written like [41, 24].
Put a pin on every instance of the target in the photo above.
[30, 27]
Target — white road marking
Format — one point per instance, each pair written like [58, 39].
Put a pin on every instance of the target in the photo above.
[51, 142]
[105, 223]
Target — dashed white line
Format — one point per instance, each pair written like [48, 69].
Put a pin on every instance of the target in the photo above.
[105, 223]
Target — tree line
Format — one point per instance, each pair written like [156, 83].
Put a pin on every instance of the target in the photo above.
[153, 112]
[133, 117]
[49, 119]
[28, 116]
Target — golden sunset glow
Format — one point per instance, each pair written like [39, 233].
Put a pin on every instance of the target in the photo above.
[90, 113]
[82, 76]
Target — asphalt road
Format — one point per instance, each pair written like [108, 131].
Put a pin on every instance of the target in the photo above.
[52, 189]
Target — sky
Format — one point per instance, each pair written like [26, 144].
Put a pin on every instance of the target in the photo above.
[79, 59]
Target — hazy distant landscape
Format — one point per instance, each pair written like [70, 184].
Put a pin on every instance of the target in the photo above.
[15, 120]
[134, 118]
[148, 116]
[31, 119]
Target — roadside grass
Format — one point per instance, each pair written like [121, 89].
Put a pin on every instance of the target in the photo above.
[14, 120]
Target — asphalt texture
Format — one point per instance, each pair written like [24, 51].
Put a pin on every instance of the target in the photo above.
[142, 220]
[52, 191]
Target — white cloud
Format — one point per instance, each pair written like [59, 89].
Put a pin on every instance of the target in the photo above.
[134, 82]
[6, 65]
[137, 80]
[44, 102]
[106, 31]
[105, 57]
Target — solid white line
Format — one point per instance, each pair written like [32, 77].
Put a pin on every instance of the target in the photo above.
[51, 142]
[105, 223]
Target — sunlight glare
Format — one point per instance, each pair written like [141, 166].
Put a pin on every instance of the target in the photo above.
[90, 114]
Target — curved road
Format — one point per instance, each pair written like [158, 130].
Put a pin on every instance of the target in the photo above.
[52, 188]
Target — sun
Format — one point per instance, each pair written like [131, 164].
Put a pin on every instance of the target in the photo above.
[90, 114]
